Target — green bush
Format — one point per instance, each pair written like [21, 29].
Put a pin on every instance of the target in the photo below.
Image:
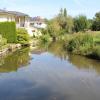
[45, 38]
[3, 41]
[8, 31]
[22, 36]
[80, 44]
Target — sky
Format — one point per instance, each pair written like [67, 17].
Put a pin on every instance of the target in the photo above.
[50, 8]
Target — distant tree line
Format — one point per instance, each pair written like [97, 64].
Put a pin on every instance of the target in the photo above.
[63, 23]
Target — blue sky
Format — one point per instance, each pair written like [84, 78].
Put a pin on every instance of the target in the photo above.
[49, 8]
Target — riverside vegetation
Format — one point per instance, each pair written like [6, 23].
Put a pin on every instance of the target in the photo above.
[80, 35]
[10, 36]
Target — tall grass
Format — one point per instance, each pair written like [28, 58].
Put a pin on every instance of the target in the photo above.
[80, 44]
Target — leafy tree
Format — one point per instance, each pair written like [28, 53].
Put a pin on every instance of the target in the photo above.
[96, 22]
[90, 22]
[70, 24]
[65, 12]
[65, 22]
[53, 28]
[80, 23]
[59, 25]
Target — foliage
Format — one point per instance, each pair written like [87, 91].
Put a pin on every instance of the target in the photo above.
[96, 22]
[3, 41]
[54, 28]
[81, 44]
[96, 37]
[65, 12]
[80, 23]
[59, 25]
[70, 24]
[89, 25]
[45, 38]
[8, 31]
[22, 36]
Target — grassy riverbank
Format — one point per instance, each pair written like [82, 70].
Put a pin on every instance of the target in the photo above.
[87, 44]
[82, 43]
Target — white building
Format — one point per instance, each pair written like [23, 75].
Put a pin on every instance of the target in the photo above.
[38, 22]
[22, 20]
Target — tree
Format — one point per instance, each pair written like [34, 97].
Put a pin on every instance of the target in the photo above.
[65, 12]
[59, 25]
[80, 23]
[90, 22]
[70, 24]
[53, 28]
[96, 22]
[65, 21]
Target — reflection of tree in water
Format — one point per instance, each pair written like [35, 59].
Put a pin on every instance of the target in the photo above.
[14, 61]
[84, 63]
[80, 62]
[57, 48]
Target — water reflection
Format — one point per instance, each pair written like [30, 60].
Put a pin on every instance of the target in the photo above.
[52, 74]
[56, 48]
[85, 63]
[81, 62]
[14, 61]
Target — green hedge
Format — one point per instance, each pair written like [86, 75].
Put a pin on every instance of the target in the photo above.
[8, 31]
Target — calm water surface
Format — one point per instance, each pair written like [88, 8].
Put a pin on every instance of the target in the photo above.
[49, 74]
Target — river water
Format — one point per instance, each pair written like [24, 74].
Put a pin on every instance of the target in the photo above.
[48, 74]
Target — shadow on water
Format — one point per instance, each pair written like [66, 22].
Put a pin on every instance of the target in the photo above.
[14, 61]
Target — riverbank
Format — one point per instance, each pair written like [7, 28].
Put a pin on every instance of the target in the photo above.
[9, 48]
[4, 50]
[83, 43]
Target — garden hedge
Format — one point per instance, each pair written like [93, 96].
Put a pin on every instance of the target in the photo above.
[8, 31]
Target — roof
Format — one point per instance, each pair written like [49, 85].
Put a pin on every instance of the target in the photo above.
[13, 13]
[38, 18]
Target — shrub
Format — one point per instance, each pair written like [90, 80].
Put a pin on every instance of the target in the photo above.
[22, 36]
[45, 38]
[80, 23]
[80, 44]
[8, 31]
[3, 41]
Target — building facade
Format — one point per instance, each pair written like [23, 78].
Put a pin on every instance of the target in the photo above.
[21, 19]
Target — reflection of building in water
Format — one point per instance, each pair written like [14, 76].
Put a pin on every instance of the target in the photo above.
[14, 61]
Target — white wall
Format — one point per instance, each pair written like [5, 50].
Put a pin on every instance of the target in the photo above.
[4, 18]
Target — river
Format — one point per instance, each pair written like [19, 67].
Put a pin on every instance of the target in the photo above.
[48, 73]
